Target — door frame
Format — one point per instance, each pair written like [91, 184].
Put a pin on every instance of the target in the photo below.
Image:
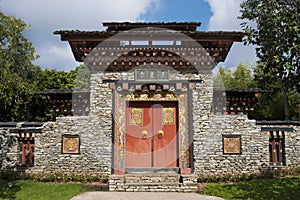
[155, 169]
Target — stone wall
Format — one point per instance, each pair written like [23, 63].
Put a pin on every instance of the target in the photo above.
[208, 146]
[208, 131]
[96, 135]
[95, 132]
[95, 147]
[8, 150]
[291, 131]
[292, 147]
[10, 136]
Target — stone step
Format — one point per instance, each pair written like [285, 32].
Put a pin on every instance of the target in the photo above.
[153, 170]
[151, 178]
[153, 183]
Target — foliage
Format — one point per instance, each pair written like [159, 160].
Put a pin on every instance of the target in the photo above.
[16, 52]
[82, 80]
[238, 177]
[280, 188]
[17, 72]
[53, 79]
[274, 26]
[270, 105]
[27, 189]
[20, 80]
[65, 178]
[239, 78]
[54, 177]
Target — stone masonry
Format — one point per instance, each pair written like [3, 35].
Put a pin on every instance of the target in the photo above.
[96, 136]
[96, 141]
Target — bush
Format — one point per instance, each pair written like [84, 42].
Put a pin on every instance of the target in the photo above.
[263, 174]
[64, 177]
[54, 177]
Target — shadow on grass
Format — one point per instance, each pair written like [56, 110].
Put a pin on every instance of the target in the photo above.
[7, 192]
[281, 188]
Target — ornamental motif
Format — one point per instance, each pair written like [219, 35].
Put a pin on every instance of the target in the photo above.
[151, 96]
[136, 116]
[232, 144]
[70, 144]
[168, 116]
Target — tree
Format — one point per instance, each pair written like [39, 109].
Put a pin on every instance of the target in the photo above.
[239, 78]
[20, 80]
[82, 80]
[53, 79]
[270, 105]
[274, 26]
[17, 73]
[16, 52]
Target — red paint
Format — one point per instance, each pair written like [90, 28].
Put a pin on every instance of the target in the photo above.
[27, 153]
[185, 170]
[119, 171]
[151, 151]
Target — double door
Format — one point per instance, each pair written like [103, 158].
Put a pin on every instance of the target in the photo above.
[151, 134]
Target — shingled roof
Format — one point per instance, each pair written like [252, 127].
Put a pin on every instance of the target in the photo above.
[216, 43]
[178, 26]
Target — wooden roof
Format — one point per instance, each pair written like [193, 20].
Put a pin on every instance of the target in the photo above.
[178, 26]
[216, 43]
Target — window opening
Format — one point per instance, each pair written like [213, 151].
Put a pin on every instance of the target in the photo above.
[27, 147]
[276, 148]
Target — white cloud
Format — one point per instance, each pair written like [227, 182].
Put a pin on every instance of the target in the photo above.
[54, 56]
[77, 13]
[47, 16]
[225, 15]
[224, 18]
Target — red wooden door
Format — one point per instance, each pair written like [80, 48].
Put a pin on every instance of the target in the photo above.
[151, 139]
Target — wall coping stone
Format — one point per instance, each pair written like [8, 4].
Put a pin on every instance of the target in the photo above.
[277, 122]
[21, 124]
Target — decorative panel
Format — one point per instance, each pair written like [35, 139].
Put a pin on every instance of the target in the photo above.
[231, 144]
[119, 136]
[184, 131]
[70, 144]
[136, 116]
[168, 116]
[151, 75]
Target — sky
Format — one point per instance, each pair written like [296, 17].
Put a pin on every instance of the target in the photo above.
[45, 17]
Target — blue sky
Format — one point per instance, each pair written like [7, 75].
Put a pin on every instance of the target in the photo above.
[176, 10]
[45, 17]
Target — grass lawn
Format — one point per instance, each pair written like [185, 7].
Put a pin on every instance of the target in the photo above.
[27, 189]
[279, 188]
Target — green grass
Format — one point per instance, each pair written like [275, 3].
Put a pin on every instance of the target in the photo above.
[279, 188]
[27, 189]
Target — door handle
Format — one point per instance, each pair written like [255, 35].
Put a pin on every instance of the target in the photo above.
[160, 133]
[144, 134]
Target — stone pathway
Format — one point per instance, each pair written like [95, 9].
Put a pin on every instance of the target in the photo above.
[142, 195]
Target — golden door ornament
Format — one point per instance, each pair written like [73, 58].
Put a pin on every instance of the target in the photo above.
[144, 134]
[168, 116]
[160, 133]
[136, 116]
